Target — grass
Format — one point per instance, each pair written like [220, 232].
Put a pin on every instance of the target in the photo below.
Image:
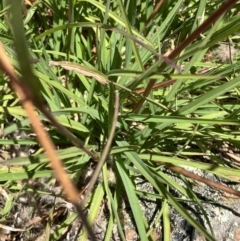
[175, 125]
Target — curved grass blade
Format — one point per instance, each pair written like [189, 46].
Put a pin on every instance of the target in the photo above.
[133, 200]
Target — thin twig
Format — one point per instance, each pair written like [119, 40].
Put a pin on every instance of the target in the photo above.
[196, 177]
[26, 98]
[154, 12]
[105, 150]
